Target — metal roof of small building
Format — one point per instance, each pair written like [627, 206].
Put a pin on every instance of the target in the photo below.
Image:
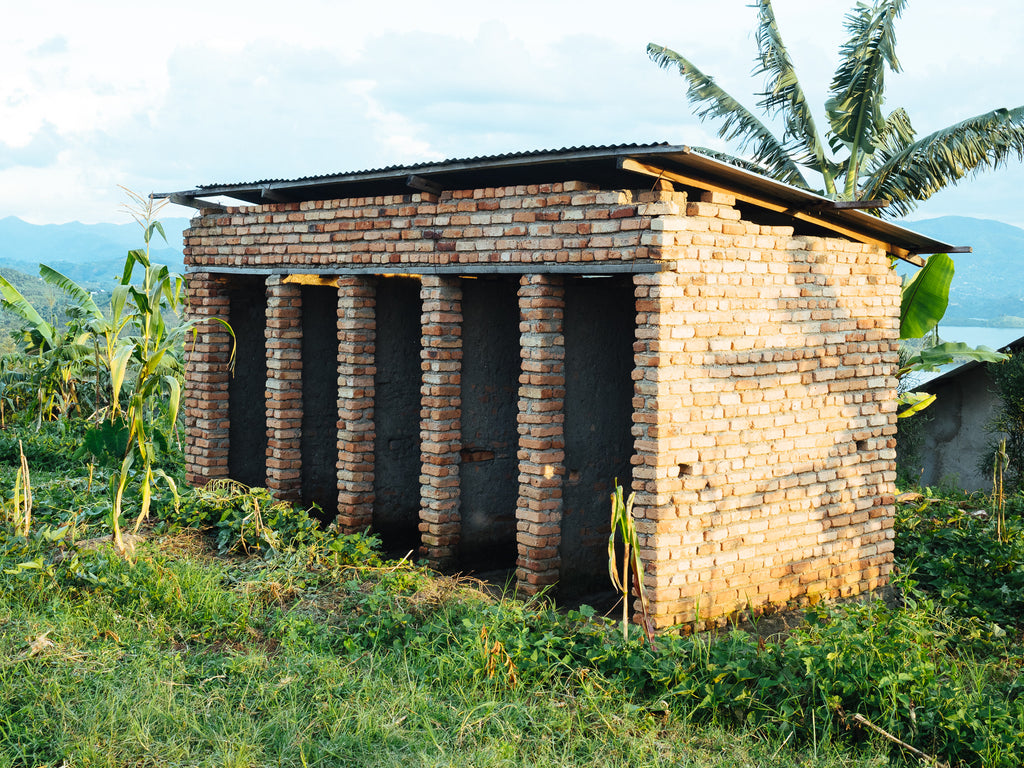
[944, 378]
[622, 166]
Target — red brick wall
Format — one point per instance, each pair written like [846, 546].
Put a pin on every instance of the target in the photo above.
[764, 414]
[356, 349]
[440, 418]
[284, 388]
[541, 431]
[555, 223]
[208, 355]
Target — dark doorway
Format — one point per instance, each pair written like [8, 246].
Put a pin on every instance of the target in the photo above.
[319, 441]
[396, 478]
[600, 327]
[247, 409]
[489, 469]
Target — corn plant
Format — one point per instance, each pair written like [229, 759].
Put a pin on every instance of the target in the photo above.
[22, 497]
[999, 465]
[632, 570]
[134, 349]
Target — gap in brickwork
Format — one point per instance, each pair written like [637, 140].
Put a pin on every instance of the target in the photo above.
[600, 328]
[396, 479]
[247, 413]
[319, 440]
[766, 218]
[489, 467]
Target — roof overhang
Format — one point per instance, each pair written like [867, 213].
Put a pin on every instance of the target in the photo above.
[610, 167]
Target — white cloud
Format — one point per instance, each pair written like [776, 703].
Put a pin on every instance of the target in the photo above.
[161, 100]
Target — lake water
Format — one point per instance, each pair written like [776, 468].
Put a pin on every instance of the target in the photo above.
[980, 337]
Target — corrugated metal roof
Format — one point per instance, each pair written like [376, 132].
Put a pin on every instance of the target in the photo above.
[936, 382]
[432, 165]
[622, 166]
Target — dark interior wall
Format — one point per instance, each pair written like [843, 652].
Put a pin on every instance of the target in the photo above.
[489, 469]
[247, 434]
[396, 482]
[319, 442]
[600, 327]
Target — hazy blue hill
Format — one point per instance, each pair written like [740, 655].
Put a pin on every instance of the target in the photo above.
[988, 287]
[87, 253]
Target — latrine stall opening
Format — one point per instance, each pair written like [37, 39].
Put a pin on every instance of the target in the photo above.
[489, 467]
[319, 442]
[600, 327]
[396, 408]
[247, 431]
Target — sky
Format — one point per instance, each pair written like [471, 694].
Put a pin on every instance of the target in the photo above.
[165, 97]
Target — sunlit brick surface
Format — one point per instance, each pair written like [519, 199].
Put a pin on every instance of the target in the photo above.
[764, 403]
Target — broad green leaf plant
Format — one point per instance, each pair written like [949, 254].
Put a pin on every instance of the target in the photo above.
[923, 303]
[50, 369]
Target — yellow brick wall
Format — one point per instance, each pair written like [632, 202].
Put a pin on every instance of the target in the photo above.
[765, 414]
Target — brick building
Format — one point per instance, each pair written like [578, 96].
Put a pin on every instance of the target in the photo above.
[463, 356]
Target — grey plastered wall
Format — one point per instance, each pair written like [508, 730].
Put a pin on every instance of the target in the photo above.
[247, 432]
[600, 327]
[955, 438]
[320, 398]
[396, 478]
[489, 467]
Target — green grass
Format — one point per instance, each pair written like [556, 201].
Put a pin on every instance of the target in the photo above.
[312, 650]
[186, 660]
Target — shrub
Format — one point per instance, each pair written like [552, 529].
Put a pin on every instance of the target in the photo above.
[1008, 422]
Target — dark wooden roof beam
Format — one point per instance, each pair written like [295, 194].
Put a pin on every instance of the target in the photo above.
[193, 202]
[849, 205]
[274, 195]
[423, 185]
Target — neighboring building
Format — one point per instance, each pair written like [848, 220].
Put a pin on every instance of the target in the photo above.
[954, 439]
[464, 355]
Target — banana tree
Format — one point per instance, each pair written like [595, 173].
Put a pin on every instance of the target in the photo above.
[864, 152]
[53, 359]
[924, 299]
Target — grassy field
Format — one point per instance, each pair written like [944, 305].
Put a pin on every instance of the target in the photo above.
[187, 660]
[233, 642]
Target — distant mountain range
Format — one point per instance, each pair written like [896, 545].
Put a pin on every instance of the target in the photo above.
[988, 289]
[988, 286]
[90, 254]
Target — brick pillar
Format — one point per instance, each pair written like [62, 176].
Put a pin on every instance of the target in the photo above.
[207, 355]
[284, 388]
[541, 431]
[440, 418]
[356, 369]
